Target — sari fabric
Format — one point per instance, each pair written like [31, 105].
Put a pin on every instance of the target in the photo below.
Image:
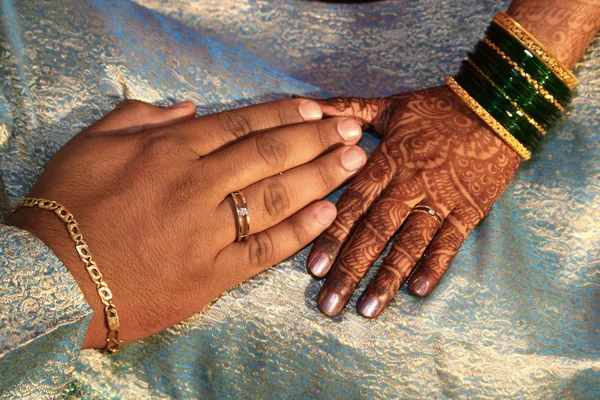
[516, 316]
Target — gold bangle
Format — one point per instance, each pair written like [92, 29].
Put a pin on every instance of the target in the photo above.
[545, 94]
[514, 103]
[536, 48]
[112, 317]
[488, 119]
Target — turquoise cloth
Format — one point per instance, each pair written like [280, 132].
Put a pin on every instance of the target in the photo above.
[516, 316]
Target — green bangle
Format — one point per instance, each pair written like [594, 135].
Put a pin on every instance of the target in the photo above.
[514, 85]
[523, 57]
[517, 69]
[487, 119]
[518, 108]
[497, 106]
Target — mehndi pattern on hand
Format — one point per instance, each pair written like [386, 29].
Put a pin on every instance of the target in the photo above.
[434, 152]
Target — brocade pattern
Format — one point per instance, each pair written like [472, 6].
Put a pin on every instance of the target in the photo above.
[516, 316]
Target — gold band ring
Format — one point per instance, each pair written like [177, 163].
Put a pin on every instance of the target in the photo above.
[242, 217]
[431, 212]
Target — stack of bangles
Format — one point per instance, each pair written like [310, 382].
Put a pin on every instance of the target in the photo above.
[513, 84]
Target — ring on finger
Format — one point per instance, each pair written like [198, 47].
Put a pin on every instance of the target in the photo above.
[431, 212]
[242, 217]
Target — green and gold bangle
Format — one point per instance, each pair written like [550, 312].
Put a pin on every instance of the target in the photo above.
[481, 112]
[498, 106]
[518, 110]
[536, 48]
[535, 84]
[514, 85]
[526, 60]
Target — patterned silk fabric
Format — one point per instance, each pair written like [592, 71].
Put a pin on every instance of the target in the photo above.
[516, 316]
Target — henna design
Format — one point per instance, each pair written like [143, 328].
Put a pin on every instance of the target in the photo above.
[565, 28]
[406, 251]
[367, 243]
[434, 149]
[442, 250]
[358, 197]
[366, 111]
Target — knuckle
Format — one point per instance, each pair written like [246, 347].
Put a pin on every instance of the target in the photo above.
[278, 115]
[321, 133]
[261, 250]
[273, 151]
[276, 199]
[157, 144]
[234, 122]
[299, 233]
[327, 177]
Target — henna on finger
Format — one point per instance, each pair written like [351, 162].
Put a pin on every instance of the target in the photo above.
[435, 263]
[406, 251]
[355, 201]
[434, 147]
[361, 252]
[367, 111]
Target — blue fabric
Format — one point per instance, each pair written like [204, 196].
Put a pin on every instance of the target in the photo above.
[516, 316]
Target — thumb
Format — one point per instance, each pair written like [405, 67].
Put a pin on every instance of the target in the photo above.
[369, 112]
[132, 116]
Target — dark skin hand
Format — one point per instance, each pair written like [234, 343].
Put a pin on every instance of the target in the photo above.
[434, 152]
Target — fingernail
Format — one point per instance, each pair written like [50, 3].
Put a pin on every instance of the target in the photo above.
[310, 111]
[330, 304]
[325, 215]
[352, 159]
[320, 265]
[349, 129]
[419, 286]
[179, 105]
[368, 306]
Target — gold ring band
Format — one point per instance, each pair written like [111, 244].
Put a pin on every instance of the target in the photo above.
[242, 217]
[431, 212]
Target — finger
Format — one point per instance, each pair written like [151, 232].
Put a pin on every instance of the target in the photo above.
[369, 112]
[406, 251]
[361, 251]
[356, 199]
[245, 259]
[210, 133]
[440, 254]
[272, 200]
[132, 116]
[269, 153]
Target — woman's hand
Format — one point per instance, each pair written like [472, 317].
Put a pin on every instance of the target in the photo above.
[150, 186]
[436, 153]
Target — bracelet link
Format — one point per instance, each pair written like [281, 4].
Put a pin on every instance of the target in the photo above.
[47, 204]
[112, 317]
[94, 272]
[73, 229]
[104, 293]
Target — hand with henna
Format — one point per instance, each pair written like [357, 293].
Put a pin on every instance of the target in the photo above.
[434, 153]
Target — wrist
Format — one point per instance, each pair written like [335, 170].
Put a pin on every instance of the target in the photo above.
[50, 230]
[564, 27]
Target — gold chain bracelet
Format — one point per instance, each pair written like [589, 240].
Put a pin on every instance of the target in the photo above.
[112, 318]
